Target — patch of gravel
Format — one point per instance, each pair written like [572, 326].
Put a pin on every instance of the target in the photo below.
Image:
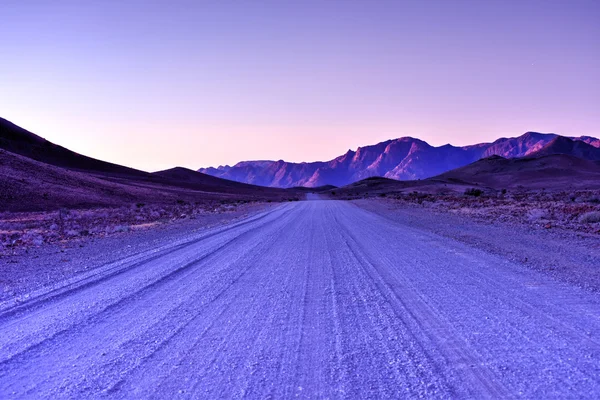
[33, 265]
[565, 255]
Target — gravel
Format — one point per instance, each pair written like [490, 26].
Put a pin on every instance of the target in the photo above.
[41, 264]
[314, 299]
[564, 255]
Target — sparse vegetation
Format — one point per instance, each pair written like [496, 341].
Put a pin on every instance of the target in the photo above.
[537, 214]
[572, 197]
[543, 209]
[473, 192]
[24, 230]
[590, 217]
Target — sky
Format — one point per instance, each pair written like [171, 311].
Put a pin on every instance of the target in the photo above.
[155, 84]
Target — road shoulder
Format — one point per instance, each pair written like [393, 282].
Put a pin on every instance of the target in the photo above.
[566, 256]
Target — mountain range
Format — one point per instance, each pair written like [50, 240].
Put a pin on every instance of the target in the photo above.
[405, 158]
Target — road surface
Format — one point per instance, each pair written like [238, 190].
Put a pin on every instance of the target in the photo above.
[314, 299]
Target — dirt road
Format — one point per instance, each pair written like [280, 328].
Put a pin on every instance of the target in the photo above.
[314, 299]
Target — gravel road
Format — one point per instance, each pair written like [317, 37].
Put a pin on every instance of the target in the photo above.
[313, 299]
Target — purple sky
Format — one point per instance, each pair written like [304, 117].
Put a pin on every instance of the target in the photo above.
[195, 83]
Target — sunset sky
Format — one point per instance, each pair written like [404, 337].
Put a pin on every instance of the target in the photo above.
[154, 84]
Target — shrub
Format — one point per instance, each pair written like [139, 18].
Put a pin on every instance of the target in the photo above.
[474, 192]
[537, 214]
[121, 228]
[590, 217]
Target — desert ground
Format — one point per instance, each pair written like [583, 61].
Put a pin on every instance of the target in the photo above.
[371, 298]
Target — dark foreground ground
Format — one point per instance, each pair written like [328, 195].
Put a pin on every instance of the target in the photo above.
[315, 299]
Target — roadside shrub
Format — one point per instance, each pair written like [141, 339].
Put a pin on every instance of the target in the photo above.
[590, 217]
[537, 214]
[121, 228]
[473, 192]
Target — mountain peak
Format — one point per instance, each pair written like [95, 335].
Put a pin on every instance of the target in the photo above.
[565, 145]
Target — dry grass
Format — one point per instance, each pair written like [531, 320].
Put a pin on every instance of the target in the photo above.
[27, 229]
[590, 217]
[578, 211]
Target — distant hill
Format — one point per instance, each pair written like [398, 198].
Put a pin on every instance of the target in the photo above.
[193, 179]
[401, 159]
[554, 171]
[563, 145]
[37, 175]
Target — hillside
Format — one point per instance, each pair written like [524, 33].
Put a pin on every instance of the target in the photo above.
[37, 175]
[185, 177]
[29, 185]
[555, 171]
[20, 141]
[563, 145]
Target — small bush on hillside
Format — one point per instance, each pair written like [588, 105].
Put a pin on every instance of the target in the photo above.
[590, 217]
[474, 192]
